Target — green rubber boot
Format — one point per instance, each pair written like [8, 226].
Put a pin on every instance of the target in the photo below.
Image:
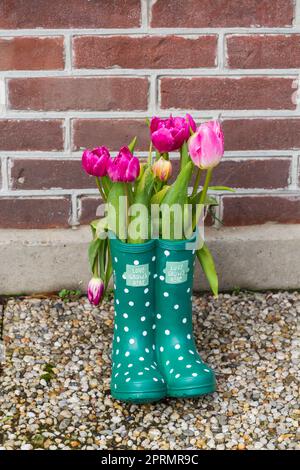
[135, 375]
[184, 371]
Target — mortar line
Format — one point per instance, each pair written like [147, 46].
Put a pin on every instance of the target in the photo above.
[243, 154]
[146, 72]
[67, 134]
[220, 53]
[3, 104]
[153, 95]
[57, 193]
[198, 114]
[68, 53]
[294, 172]
[151, 31]
[297, 14]
[74, 215]
[144, 14]
[4, 174]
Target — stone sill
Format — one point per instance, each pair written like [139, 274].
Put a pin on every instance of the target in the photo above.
[256, 257]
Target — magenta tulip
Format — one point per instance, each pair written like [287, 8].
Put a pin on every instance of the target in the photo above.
[206, 146]
[125, 167]
[169, 134]
[95, 290]
[95, 162]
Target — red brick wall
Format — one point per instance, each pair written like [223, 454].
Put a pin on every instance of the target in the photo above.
[81, 73]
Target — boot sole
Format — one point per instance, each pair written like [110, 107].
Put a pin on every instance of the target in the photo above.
[191, 392]
[142, 397]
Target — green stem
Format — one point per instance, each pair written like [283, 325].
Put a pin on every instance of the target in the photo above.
[96, 267]
[100, 188]
[127, 207]
[205, 187]
[197, 181]
[149, 161]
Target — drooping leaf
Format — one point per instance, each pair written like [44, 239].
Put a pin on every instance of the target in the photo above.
[208, 266]
[221, 188]
[93, 250]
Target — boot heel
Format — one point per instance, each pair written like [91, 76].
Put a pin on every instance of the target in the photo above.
[184, 371]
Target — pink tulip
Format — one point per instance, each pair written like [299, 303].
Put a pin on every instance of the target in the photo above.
[125, 167]
[162, 169]
[169, 134]
[206, 146]
[95, 290]
[94, 162]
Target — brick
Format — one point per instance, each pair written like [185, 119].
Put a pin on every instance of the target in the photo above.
[88, 209]
[227, 93]
[35, 173]
[263, 51]
[255, 210]
[221, 13]
[65, 93]
[261, 173]
[262, 134]
[29, 213]
[20, 14]
[148, 52]
[113, 133]
[31, 134]
[31, 53]
[271, 173]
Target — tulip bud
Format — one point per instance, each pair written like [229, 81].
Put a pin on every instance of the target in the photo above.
[206, 146]
[95, 162]
[95, 290]
[162, 169]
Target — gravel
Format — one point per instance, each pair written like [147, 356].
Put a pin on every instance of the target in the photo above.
[54, 384]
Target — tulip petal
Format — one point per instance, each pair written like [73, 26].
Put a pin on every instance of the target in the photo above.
[163, 140]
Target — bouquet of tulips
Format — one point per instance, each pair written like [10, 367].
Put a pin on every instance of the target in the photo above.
[139, 199]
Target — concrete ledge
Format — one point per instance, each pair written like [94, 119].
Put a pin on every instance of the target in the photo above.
[257, 257]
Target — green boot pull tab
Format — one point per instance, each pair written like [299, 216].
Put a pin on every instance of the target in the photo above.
[184, 371]
[135, 375]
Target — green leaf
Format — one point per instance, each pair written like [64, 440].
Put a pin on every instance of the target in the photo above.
[221, 188]
[106, 184]
[178, 190]
[94, 247]
[208, 266]
[115, 214]
[144, 188]
[158, 197]
[131, 146]
[184, 153]
[109, 268]
[177, 194]
[147, 121]
[209, 200]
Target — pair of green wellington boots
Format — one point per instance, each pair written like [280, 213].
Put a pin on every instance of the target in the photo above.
[154, 352]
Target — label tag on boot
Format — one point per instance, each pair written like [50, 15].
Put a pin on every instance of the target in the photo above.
[176, 271]
[137, 276]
